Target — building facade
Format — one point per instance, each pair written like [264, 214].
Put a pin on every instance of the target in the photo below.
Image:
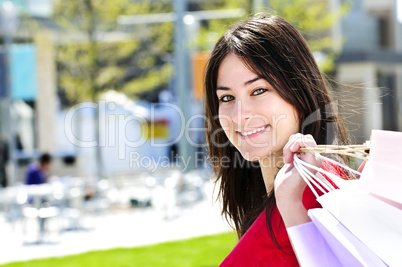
[371, 60]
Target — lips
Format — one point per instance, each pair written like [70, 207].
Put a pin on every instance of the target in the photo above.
[254, 131]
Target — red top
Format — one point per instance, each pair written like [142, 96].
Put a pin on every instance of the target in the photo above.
[255, 247]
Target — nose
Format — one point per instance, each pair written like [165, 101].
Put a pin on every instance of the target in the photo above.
[241, 111]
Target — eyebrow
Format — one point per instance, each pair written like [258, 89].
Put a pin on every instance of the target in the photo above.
[245, 84]
[252, 80]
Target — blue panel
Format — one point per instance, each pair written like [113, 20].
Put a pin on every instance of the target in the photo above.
[23, 72]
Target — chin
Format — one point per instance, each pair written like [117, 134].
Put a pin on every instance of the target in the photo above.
[252, 153]
[255, 155]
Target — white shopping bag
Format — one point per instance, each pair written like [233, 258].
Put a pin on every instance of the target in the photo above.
[372, 215]
[347, 247]
[368, 219]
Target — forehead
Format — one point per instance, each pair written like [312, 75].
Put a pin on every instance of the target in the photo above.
[233, 70]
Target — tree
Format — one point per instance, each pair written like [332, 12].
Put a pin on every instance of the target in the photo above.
[311, 17]
[91, 59]
[95, 54]
[211, 30]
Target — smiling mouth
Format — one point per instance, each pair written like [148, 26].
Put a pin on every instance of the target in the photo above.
[253, 131]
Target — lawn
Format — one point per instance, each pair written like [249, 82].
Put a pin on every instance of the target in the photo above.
[202, 251]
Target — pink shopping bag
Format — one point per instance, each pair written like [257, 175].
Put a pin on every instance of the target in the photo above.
[382, 174]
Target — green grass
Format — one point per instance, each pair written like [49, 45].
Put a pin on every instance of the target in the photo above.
[201, 251]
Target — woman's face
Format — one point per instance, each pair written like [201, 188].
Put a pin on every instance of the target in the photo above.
[256, 120]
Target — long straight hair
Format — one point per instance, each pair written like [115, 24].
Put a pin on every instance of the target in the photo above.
[274, 50]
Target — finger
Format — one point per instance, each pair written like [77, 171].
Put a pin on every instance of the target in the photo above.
[286, 157]
[298, 142]
[287, 153]
[294, 144]
[303, 141]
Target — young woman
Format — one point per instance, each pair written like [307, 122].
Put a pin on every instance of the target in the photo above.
[265, 99]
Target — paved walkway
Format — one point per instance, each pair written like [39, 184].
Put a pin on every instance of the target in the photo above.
[113, 229]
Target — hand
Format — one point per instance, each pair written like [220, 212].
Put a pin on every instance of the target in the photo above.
[289, 185]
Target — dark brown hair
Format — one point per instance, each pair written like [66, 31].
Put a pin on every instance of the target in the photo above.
[274, 50]
[45, 158]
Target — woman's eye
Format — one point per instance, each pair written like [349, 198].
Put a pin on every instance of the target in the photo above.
[259, 91]
[226, 98]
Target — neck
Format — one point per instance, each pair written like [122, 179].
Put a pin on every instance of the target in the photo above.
[269, 168]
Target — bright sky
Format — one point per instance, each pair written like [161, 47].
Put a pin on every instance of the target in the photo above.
[399, 10]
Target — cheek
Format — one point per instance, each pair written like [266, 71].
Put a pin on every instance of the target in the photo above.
[226, 122]
[224, 118]
[292, 123]
[295, 118]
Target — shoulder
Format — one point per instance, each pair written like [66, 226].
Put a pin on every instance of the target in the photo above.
[32, 169]
[256, 248]
[33, 166]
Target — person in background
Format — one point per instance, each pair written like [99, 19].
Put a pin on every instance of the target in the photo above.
[36, 172]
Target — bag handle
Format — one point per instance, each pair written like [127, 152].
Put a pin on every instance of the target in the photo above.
[318, 180]
[356, 151]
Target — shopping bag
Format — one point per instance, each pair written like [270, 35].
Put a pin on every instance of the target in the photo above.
[341, 243]
[376, 223]
[326, 242]
[310, 247]
[347, 247]
[382, 174]
[363, 215]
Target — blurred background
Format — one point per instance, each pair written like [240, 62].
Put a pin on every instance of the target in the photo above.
[112, 90]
